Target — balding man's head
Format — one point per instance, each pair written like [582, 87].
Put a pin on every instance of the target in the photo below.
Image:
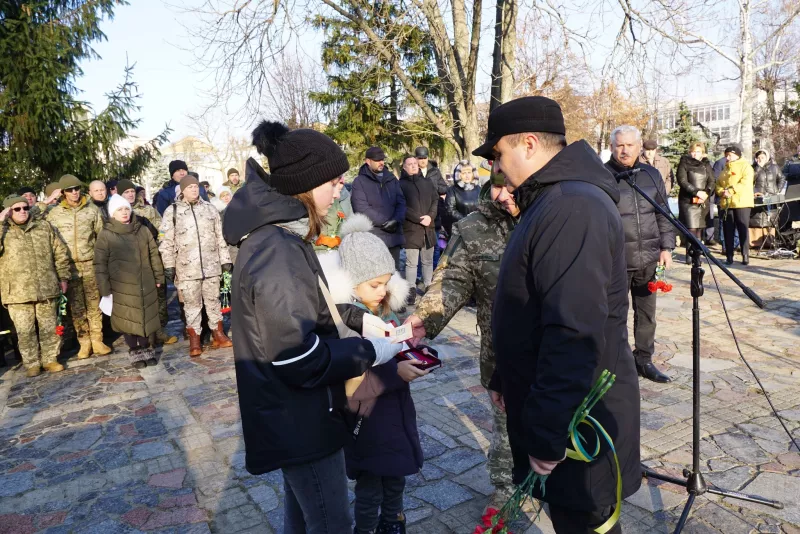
[98, 192]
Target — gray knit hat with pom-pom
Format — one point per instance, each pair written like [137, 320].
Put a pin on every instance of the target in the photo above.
[363, 255]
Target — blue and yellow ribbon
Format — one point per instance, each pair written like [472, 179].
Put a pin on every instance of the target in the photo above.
[578, 452]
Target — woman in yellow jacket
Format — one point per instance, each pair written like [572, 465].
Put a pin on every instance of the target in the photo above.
[735, 190]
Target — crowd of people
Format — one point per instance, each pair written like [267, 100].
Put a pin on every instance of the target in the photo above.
[104, 242]
[551, 249]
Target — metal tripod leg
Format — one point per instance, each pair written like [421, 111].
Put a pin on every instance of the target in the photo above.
[693, 482]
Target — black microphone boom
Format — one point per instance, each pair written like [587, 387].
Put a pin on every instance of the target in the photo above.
[625, 175]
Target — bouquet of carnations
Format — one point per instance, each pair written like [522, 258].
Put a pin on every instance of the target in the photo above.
[225, 292]
[62, 313]
[496, 521]
[659, 281]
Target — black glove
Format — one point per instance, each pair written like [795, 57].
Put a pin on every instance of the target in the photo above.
[390, 226]
[227, 267]
[169, 274]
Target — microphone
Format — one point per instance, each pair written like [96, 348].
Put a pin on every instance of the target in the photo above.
[627, 175]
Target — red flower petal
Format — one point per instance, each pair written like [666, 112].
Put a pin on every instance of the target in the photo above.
[652, 287]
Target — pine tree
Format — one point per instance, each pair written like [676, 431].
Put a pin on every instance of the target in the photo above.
[680, 138]
[45, 130]
[368, 106]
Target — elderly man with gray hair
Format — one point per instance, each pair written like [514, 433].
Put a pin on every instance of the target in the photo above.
[649, 240]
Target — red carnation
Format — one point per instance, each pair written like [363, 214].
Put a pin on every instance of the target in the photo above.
[226, 309]
[652, 287]
[59, 330]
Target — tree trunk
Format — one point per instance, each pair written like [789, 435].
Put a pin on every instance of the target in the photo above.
[503, 55]
[748, 93]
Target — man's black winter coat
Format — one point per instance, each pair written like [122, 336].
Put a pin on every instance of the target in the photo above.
[559, 320]
[647, 232]
[290, 363]
[421, 199]
[381, 199]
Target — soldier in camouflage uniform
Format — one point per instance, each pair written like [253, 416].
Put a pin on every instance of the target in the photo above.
[77, 221]
[34, 269]
[469, 268]
[194, 255]
[52, 195]
[152, 220]
[234, 182]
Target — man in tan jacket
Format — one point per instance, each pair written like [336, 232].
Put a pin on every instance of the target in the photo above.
[651, 157]
[77, 221]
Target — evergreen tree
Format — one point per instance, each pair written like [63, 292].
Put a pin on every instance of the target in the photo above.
[681, 137]
[366, 104]
[45, 130]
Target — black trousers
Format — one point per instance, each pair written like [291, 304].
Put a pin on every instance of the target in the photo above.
[738, 220]
[644, 314]
[375, 492]
[136, 342]
[569, 521]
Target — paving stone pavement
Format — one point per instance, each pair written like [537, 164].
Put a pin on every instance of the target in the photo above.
[105, 448]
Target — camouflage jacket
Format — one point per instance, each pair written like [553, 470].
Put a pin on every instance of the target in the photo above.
[78, 227]
[191, 240]
[150, 214]
[40, 210]
[32, 261]
[233, 187]
[470, 271]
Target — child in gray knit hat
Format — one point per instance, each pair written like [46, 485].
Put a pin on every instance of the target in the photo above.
[387, 448]
[367, 275]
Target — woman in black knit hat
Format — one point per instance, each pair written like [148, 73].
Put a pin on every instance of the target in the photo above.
[292, 358]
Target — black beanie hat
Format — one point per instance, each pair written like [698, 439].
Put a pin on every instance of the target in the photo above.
[299, 160]
[176, 165]
[25, 189]
[735, 149]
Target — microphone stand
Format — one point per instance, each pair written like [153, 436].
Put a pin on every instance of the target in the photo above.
[694, 482]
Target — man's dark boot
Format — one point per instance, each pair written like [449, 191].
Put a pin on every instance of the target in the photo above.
[195, 348]
[651, 372]
[745, 256]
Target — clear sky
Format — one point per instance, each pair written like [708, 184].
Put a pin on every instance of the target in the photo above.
[149, 34]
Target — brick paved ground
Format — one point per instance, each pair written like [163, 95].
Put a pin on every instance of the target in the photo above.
[105, 448]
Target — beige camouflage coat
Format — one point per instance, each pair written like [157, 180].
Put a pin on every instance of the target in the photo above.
[471, 270]
[32, 261]
[78, 227]
[191, 241]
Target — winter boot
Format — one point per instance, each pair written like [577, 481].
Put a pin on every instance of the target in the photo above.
[53, 367]
[220, 340]
[397, 525]
[162, 338]
[33, 371]
[195, 348]
[86, 348]
[150, 354]
[100, 348]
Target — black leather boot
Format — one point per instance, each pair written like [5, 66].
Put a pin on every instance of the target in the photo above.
[651, 372]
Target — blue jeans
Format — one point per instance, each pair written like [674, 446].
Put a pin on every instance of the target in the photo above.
[316, 500]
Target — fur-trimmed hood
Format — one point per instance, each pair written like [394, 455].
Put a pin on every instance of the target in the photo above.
[343, 292]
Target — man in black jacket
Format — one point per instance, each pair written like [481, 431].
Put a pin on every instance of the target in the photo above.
[560, 315]
[376, 193]
[421, 207]
[649, 240]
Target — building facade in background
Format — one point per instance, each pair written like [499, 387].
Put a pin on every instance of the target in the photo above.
[718, 115]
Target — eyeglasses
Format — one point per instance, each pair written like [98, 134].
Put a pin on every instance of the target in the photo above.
[21, 208]
[72, 189]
